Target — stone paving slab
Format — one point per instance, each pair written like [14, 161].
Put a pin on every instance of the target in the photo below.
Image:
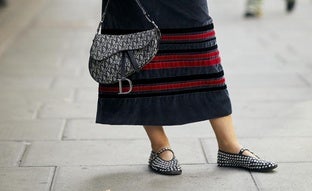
[307, 77]
[106, 152]
[9, 69]
[38, 95]
[245, 127]
[47, 49]
[56, 13]
[272, 110]
[26, 178]
[8, 83]
[13, 22]
[87, 129]
[239, 80]
[18, 111]
[289, 176]
[75, 82]
[232, 62]
[31, 130]
[139, 178]
[279, 149]
[86, 95]
[11, 152]
[264, 127]
[67, 110]
[281, 94]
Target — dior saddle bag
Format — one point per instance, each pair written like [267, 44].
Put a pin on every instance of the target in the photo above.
[113, 58]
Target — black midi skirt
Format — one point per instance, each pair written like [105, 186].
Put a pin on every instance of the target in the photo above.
[184, 82]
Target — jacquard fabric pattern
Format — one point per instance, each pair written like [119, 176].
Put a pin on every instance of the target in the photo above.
[241, 161]
[107, 53]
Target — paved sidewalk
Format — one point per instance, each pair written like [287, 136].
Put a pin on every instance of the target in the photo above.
[48, 139]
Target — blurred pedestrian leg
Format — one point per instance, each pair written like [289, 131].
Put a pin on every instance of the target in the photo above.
[253, 8]
[2, 3]
[290, 5]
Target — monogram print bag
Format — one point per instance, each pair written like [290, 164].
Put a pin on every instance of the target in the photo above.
[113, 58]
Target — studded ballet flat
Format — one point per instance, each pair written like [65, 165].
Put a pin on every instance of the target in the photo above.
[242, 161]
[161, 166]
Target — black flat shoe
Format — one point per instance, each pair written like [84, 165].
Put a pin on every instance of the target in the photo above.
[252, 15]
[161, 166]
[242, 161]
[290, 5]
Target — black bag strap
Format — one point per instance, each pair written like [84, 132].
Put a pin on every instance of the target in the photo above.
[148, 18]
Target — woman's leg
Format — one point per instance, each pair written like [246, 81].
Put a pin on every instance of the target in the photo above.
[159, 140]
[253, 8]
[226, 136]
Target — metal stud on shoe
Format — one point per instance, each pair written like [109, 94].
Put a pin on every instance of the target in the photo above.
[242, 161]
[161, 166]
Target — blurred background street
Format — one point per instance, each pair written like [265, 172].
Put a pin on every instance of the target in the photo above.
[50, 142]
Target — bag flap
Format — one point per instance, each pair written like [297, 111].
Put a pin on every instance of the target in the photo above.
[105, 45]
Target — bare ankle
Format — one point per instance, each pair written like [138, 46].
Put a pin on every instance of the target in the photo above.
[157, 147]
[230, 147]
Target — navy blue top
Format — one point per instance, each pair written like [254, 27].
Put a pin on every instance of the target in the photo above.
[168, 14]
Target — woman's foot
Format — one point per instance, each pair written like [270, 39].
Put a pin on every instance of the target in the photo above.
[253, 8]
[164, 162]
[244, 159]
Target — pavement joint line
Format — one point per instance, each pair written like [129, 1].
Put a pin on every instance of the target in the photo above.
[263, 137]
[303, 79]
[254, 180]
[36, 113]
[135, 139]
[75, 95]
[135, 165]
[203, 149]
[52, 178]
[281, 59]
[64, 124]
[39, 109]
[26, 166]
[22, 153]
[138, 139]
[103, 140]
[53, 82]
[126, 139]
[108, 165]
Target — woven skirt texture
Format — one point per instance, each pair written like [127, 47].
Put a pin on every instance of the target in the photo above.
[184, 83]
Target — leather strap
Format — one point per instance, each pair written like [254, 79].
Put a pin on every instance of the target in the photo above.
[133, 61]
[244, 149]
[148, 18]
[123, 65]
[163, 150]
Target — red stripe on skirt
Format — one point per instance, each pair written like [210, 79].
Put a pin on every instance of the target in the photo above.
[185, 56]
[181, 64]
[189, 37]
[142, 88]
